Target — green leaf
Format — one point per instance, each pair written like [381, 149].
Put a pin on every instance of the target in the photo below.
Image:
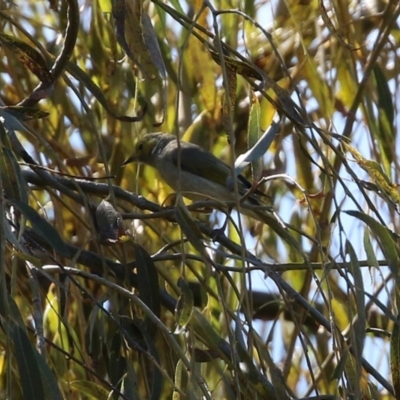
[359, 324]
[137, 37]
[384, 237]
[14, 184]
[384, 95]
[130, 383]
[95, 331]
[340, 366]
[44, 228]
[148, 285]
[117, 362]
[85, 80]
[137, 333]
[253, 136]
[11, 121]
[369, 251]
[261, 146]
[90, 389]
[395, 357]
[25, 113]
[49, 380]
[385, 133]
[28, 368]
[177, 6]
[181, 379]
[205, 331]
[184, 305]
[189, 227]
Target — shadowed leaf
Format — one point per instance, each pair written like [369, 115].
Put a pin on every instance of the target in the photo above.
[148, 282]
[41, 226]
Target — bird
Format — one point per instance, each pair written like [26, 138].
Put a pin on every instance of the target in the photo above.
[199, 174]
[195, 172]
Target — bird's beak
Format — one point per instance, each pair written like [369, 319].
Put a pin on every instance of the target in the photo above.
[130, 159]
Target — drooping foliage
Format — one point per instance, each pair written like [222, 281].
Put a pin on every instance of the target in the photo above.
[113, 286]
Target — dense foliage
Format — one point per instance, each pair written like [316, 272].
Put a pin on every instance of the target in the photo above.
[112, 287]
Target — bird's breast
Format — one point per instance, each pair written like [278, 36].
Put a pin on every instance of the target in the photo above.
[195, 187]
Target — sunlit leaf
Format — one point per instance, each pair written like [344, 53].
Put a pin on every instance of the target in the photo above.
[25, 113]
[377, 174]
[385, 238]
[258, 149]
[91, 389]
[29, 56]
[137, 37]
[85, 79]
[184, 305]
[395, 357]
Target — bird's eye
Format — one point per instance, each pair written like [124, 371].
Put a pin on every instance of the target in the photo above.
[140, 146]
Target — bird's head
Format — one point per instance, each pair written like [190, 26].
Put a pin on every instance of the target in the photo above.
[145, 149]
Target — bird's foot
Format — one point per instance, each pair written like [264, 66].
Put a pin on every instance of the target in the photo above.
[220, 231]
[217, 232]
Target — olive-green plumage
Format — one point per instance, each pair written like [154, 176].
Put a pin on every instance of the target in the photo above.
[201, 174]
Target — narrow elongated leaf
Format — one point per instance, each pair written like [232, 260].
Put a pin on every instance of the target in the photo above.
[153, 48]
[84, 78]
[11, 174]
[90, 389]
[358, 328]
[11, 121]
[384, 96]
[377, 174]
[395, 357]
[155, 375]
[49, 380]
[253, 136]
[130, 383]
[262, 384]
[360, 324]
[369, 251]
[205, 331]
[95, 334]
[340, 366]
[25, 113]
[188, 227]
[184, 305]
[29, 56]
[385, 238]
[137, 37]
[117, 362]
[386, 133]
[28, 367]
[148, 285]
[45, 229]
[260, 148]
[181, 379]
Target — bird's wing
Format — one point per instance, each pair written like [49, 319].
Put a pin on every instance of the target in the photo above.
[210, 167]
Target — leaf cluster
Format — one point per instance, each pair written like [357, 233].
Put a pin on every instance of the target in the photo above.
[111, 286]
